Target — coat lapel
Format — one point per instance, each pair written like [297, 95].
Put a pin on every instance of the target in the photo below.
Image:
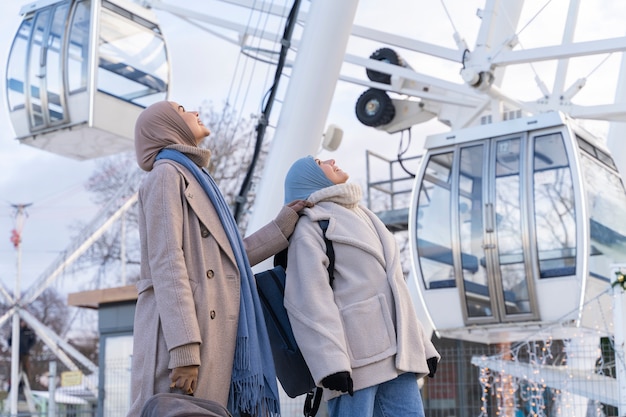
[201, 204]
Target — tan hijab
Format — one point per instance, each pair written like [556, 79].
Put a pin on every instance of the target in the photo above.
[160, 126]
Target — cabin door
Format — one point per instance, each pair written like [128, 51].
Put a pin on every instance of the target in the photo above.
[495, 284]
[44, 77]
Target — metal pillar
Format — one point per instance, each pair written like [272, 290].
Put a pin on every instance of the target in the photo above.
[15, 335]
[52, 386]
[619, 325]
[307, 100]
[617, 130]
[15, 357]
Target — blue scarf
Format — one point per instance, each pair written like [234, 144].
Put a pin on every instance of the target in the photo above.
[304, 178]
[253, 384]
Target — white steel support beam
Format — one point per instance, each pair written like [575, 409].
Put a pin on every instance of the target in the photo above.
[312, 84]
[261, 6]
[95, 235]
[617, 130]
[608, 112]
[193, 17]
[547, 53]
[57, 344]
[407, 43]
[7, 315]
[568, 38]
[7, 297]
[465, 96]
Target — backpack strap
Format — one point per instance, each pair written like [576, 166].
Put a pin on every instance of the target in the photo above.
[330, 252]
[312, 402]
[281, 257]
[314, 397]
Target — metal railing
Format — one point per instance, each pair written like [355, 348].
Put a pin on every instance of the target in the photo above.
[390, 184]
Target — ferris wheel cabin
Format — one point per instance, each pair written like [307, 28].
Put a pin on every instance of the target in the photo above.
[79, 73]
[514, 226]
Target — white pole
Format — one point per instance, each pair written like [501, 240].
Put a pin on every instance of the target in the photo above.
[563, 64]
[15, 359]
[52, 387]
[307, 100]
[123, 249]
[619, 338]
[15, 335]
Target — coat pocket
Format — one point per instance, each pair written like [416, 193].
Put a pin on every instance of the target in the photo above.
[370, 332]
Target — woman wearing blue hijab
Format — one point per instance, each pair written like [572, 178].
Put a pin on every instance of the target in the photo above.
[361, 337]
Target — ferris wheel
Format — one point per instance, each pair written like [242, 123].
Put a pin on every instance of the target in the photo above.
[79, 73]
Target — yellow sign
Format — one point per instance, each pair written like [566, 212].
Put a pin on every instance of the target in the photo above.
[71, 378]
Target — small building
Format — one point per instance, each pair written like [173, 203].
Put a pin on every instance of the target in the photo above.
[116, 311]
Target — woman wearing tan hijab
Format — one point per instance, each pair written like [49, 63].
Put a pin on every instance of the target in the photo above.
[198, 323]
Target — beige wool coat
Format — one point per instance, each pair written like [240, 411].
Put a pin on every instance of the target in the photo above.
[188, 292]
[366, 323]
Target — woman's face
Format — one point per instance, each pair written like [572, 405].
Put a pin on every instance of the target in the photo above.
[199, 130]
[332, 171]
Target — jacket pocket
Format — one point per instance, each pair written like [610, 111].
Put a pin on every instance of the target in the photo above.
[370, 332]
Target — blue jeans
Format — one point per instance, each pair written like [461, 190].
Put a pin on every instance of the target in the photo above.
[399, 397]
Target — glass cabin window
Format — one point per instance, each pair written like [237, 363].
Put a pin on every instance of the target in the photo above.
[434, 245]
[35, 70]
[54, 63]
[508, 226]
[17, 64]
[555, 217]
[596, 153]
[605, 192]
[471, 232]
[78, 49]
[133, 61]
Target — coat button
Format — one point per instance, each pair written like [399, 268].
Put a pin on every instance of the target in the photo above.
[210, 274]
[205, 233]
[212, 314]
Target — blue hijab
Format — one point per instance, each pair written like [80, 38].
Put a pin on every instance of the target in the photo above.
[253, 382]
[304, 178]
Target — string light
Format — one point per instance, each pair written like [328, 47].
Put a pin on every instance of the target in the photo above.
[575, 352]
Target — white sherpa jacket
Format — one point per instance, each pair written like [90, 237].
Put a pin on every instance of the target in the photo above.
[366, 323]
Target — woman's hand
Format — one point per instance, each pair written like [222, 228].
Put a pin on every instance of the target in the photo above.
[297, 205]
[340, 381]
[432, 366]
[185, 378]
[288, 216]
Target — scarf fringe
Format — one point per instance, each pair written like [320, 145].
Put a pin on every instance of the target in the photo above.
[255, 405]
[242, 356]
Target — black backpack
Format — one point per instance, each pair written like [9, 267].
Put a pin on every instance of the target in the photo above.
[291, 368]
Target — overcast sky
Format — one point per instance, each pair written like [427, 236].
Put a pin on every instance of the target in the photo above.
[203, 68]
